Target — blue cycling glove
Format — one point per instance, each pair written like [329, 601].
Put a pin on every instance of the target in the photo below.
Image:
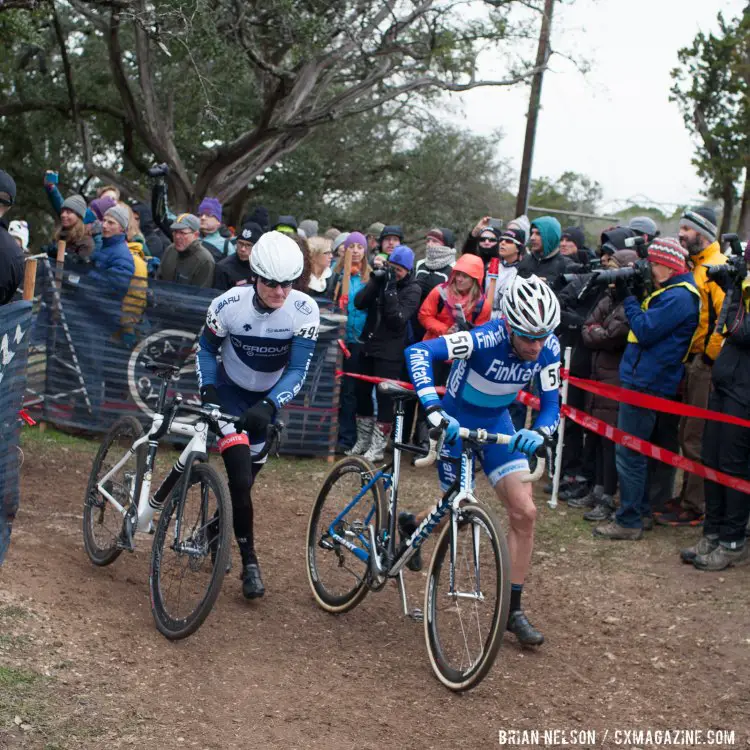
[526, 441]
[451, 431]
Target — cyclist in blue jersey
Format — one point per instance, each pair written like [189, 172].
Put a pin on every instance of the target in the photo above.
[491, 364]
[265, 335]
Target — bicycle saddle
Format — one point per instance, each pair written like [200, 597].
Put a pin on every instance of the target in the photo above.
[389, 388]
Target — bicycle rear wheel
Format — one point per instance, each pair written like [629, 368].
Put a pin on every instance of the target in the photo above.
[190, 553]
[464, 629]
[102, 522]
[336, 575]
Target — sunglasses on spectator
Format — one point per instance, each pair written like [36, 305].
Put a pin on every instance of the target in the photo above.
[273, 284]
[488, 239]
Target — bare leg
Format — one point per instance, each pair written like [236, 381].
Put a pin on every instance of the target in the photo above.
[519, 503]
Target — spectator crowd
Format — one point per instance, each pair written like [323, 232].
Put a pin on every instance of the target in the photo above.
[648, 313]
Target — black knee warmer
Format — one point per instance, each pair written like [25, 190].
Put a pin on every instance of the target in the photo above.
[240, 478]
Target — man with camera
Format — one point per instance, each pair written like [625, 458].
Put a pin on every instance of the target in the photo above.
[698, 235]
[661, 332]
[726, 447]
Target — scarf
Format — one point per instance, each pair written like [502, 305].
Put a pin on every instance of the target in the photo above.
[439, 256]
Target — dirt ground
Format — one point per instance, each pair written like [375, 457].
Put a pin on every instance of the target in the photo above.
[635, 640]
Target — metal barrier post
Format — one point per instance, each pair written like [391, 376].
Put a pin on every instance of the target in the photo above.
[560, 435]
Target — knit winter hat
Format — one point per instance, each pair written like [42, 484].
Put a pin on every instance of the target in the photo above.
[375, 228]
[76, 204]
[703, 220]
[644, 225]
[439, 256]
[100, 206]
[576, 236]
[436, 234]
[210, 207]
[120, 215]
[310, 227]
[250, 232]
[339, 241]
[402, 256]
[288, 222]
[392, 229]
[353, 238]
[516, 236]
[20, 229]
[522, 222]
[667, 251]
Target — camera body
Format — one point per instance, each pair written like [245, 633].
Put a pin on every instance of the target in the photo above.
[734, 271]
[637, 275]
[159, 171]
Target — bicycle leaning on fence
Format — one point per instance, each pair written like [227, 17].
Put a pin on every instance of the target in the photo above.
[352, 548]
[191, 548]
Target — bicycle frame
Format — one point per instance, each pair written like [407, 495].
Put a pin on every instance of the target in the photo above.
[460, 491]
[147, 506]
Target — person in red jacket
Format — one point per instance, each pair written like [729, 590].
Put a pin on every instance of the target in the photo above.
[458, 304]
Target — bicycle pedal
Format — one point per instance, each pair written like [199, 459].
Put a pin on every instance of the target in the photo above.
[416, 615]
[124, 544]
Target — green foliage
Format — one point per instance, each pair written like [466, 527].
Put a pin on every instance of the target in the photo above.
[712, 89]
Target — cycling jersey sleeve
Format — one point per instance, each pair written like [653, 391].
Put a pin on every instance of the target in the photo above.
[303, 348]
[209, 344]
[549, 386]
[460, 345]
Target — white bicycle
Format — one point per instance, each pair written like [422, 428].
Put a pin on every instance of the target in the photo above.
[191, 548]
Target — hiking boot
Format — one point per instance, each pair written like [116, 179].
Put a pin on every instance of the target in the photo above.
[407, 525]
[364, 436]
[525, 632]
[252, 583]
[602, 511]
[376, 451]
[587, 501]
[575, 491]
[705, 546]
[679, 518]
[613, 530]
[721, 557]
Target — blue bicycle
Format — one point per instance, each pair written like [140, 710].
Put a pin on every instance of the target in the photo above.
[353, 548]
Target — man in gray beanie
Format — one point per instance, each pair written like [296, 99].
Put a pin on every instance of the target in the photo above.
[698, 235]
[120, 215]
[645, 226]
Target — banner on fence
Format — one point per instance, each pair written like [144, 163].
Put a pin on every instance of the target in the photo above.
[98, 343]
[15, 325]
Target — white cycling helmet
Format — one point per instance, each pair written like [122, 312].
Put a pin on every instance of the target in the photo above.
[530, 307]
[277, 257]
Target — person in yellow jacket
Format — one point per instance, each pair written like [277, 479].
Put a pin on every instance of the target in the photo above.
[134, 302]
[698, 235]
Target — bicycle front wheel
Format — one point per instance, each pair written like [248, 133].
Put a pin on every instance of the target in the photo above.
[102, 522]
[336, 573]
[190, 553]
[464, 627]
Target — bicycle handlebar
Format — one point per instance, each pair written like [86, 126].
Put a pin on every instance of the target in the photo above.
[481, 437]
[214, 415]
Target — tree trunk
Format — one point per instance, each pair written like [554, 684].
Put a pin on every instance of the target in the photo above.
[743, 225]
[729, 197]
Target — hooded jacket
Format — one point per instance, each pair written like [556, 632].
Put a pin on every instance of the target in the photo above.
[113, 265]
[550, 264]
[194, 266]
[707, 342]
[664, 332]
[437, 316]
[390, 305]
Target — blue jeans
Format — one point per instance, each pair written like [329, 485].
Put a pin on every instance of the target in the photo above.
[633, 468]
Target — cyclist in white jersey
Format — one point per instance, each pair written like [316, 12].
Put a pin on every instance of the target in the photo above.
[253, 358]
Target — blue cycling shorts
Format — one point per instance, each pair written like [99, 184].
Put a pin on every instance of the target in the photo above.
[496, 460]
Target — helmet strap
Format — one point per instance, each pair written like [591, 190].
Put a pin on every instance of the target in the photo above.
[258, 303]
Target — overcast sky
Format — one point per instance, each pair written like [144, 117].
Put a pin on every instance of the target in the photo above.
[615, 124]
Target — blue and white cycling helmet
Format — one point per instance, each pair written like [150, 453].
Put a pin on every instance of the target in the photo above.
[530, 307]
[277, 257]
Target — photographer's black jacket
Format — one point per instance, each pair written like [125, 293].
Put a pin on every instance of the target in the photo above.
[730, 373]
[11, 265]
[389, 308]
